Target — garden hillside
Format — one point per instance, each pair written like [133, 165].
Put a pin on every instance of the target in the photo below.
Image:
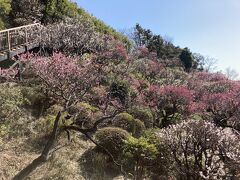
[22, 12]
[88, 106]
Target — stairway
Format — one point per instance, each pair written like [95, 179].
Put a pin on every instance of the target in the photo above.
[18, 40]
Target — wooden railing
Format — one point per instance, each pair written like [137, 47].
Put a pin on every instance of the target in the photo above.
[12, 38]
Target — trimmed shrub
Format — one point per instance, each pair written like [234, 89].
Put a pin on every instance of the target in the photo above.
[128, 123]
[112, 139]
[143, 114]
[138, 156]
[124, 121]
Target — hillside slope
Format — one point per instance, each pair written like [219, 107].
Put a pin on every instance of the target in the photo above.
[88, 108]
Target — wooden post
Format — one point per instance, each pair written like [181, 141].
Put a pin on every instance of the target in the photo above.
[9, 41]
[20, 69]
[26, 38]
[1, 41]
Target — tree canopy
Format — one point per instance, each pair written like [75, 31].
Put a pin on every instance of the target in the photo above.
[5, 8]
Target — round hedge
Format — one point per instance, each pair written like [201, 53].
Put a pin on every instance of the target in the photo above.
[124, 121]
[112, 139]
[138, 128]
[143, 114]
[128, 123]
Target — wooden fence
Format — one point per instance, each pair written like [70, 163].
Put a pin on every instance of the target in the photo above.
[17, 38]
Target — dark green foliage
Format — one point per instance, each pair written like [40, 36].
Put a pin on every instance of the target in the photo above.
[119, 89]
[112, 139]
[128, 123]
[143, 114]
[155, 43]
[164, 48]
[142, 36]
[187, 59]
[57, 10]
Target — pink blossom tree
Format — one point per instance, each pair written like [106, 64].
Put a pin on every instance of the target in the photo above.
[170, 102]
[68, 80]
[8, 74]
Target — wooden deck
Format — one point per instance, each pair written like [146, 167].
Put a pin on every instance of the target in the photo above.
[18, 40]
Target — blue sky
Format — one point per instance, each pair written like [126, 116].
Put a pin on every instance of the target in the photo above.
[209, 27]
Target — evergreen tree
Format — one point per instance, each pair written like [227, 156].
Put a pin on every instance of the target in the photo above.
[155, 43]
[57, 10]
[187, 59]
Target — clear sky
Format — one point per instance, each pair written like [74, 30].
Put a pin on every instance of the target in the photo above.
[209, 27]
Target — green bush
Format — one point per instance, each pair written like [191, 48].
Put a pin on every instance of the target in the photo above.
[161, 163]
[138, 155]
[124, 121]
[128, 123]
[143, 114]
[112, 139]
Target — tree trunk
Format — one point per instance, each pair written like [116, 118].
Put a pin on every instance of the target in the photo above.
[44, 156]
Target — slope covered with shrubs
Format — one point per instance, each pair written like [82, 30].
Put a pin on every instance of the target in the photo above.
[179, 124]
[87, 108]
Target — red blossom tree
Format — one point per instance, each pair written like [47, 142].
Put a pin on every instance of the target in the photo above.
[170, 102]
